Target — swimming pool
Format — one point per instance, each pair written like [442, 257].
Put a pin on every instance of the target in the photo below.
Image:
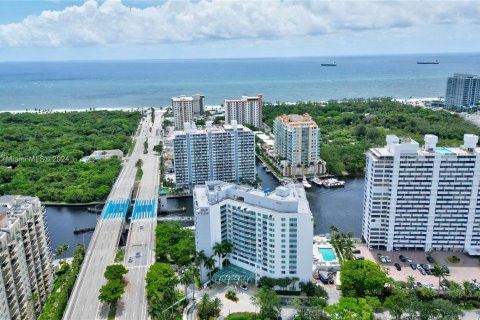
[327, 254]
[444, 151]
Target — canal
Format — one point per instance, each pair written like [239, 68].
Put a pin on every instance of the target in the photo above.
[340, 207]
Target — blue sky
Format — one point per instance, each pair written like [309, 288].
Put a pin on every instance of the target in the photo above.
[114, 29]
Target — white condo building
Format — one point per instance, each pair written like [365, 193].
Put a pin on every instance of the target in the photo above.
[463, 90]
[271, 232]
[186, 109]
[224, 153]
[424, 198]
[25, 258]
[246, 110]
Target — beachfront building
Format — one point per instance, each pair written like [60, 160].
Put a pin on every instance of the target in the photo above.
[25, 258]
[224, 153]
[271, 232]
[424, 198]
[297, 144]
[246, 110]
[463, 91]
[186, 109]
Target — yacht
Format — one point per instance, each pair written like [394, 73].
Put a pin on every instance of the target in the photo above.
[305, 183]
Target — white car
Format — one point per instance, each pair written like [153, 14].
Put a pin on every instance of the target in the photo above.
[409, 260]
[382, 259]
[387, 258]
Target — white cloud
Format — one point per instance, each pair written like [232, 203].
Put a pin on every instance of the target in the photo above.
[113, 23]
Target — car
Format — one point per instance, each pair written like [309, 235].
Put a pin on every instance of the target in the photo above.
[382, 259]
[397, 265]
[428, 271]
[323, 278]
[402, 258]
[414, 286]
[387, 258]
[359, 258]
[413, 266]
[424, 266]
[430, 259]
[141, 227]
[422, 271]
[243, 287]
[138, 254]
[445, 269]
[130, 259]
[355, 251]
[409, 260]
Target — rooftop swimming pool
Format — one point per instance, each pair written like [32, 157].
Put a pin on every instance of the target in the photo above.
[444, 151]
[327, 254]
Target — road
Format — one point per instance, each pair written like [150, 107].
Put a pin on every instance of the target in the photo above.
[83, 302]
[139, 251]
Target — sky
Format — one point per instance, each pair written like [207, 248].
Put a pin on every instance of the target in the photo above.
[177, 29]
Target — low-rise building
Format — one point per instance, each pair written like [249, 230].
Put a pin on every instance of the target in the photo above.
[271, 232]
[25, 258]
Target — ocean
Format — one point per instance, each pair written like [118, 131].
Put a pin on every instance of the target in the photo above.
[126, 84]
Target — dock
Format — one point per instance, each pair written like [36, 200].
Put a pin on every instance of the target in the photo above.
[83, 230]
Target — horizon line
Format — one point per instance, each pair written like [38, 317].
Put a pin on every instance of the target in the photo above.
[243, 58]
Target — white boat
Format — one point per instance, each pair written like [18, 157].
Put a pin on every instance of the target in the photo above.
[264, 165]
[317, 181]
[305, 183]
[333, 183]
[267, 170]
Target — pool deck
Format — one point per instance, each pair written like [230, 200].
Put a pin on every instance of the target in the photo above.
[318, 262]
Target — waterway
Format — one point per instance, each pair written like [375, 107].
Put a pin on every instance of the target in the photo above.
[340, 207]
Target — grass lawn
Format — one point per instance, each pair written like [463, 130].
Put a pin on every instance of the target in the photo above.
[241, 316]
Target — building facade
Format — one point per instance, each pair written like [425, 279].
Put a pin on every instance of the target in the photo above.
[424, 198]
[271, 233]
[186, 109]
[26, 261]
[216, 153]
[297, 143]
[246, 110]
[463, 91]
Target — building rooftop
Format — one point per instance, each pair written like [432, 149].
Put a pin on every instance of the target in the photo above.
[12, 207]
[296, 119]
[244, 98]
[192, 128]
[289, 199]
[409, 146]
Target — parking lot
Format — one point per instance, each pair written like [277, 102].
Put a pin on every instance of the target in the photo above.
[467, 269]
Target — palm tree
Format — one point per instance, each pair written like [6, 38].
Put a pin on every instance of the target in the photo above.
[333, 229]
[186, 278]
[209, 264]
[200, 257]
[218, 250]
[227, 247]
[195, 273]
[62, 250]
[410, 281]
[440, 273]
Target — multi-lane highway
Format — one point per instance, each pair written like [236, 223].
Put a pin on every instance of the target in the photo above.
[83, 302]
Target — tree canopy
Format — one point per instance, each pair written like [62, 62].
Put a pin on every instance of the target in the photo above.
[348, 128]
[175, 242]
[362, 278]
[40, 153]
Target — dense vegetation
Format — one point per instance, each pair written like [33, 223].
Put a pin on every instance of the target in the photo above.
[43, 152]
[349, 128]
[174, 244]
[64, 280]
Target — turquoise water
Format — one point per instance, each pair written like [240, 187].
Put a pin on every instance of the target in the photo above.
[444, 151]
[327, 254]
[84, 84]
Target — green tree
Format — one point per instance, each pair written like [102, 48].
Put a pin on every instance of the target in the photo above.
[111, 291]
[350, 309]
[62, 250]
[158, 148]
[269, 303]
[209, 264]
[438, 272]
[362, 278]
[115, 272]
[186, 278]
[209, 308]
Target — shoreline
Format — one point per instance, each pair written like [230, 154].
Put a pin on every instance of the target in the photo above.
[416, 101]
[67, 204]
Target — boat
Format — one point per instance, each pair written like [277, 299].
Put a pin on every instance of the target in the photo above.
[428, 62]
[333, 183]
[264, 165]
[317, 181]
[267, 170]
[305, 183]
[334, 64]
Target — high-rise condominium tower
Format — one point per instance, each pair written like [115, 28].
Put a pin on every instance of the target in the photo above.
[423, 197]
[247, 110]
[463, 90]
[186, 109]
